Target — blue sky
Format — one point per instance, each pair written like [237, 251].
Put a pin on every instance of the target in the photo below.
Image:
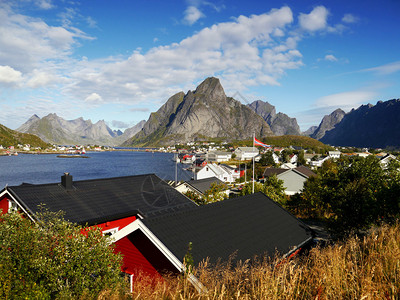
[120, 60]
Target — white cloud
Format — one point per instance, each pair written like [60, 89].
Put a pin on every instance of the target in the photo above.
[349, 18]
[385, 69]
[27, 43]
[9, 75]
[192, 15]
[330, 57]
[346, 100]
[41, 78]
[315, 20]
[242, 53]
[94, 98]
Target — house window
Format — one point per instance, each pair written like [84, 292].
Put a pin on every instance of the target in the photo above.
[13, 206]
[110, 232]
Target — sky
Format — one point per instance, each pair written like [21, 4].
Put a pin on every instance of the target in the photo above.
[120, 60]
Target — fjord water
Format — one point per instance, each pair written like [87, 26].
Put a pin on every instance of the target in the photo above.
[48, 168]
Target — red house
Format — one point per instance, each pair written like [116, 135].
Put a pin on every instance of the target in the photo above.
[152, 224]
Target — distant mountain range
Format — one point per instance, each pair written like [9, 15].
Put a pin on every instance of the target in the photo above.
[54, 129]
[205, 113]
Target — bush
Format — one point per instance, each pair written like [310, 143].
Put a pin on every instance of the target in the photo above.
[53, 259]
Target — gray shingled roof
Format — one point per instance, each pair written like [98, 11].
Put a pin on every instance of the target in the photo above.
[274, 171]
[305, 171]
[202, 185]
[249, 225]
[101, 200]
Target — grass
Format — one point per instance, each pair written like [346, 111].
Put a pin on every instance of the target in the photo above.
[359, 268]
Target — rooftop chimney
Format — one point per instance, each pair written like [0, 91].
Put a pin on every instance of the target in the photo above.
[66, 181]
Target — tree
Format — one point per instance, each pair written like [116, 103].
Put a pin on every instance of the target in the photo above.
[53, 259]
[353, 194]
[272, 187]
[267, 159]
[301, 160]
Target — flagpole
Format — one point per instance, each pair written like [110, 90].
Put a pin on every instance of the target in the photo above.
[254, 139]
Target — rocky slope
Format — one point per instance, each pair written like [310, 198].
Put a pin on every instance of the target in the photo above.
[328, 123]
[280, 123]
[54, 129]
[376, 126]
[201, 114]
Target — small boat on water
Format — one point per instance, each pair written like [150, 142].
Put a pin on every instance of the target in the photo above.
[72, 156]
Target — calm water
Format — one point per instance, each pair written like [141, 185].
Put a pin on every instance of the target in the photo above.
[48, 168]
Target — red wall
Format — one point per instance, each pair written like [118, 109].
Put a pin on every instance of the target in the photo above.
[4, 205]
[140, 255]
[121, 223]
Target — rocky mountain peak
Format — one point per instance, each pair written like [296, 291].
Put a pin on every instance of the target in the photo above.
[211, 88]
[328, 123]
[280, 123]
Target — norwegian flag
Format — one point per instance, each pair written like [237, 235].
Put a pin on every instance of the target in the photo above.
[259, 143]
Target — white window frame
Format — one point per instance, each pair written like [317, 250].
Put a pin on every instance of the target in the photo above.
[111, 231]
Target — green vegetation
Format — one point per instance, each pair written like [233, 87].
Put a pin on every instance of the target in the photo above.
[214, 194]
[351, 194]
[358, 268]
[54, 260]
[272, 187]
[9, 137]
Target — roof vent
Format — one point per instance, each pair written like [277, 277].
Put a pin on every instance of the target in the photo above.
[66, 181]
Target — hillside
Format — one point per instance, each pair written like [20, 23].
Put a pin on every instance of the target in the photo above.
[205, 113]
[9, 137]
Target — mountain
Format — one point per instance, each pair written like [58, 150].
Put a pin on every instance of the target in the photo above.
[280, 123]
[310, 131]
[376, 126]
[328, 123]
[9, 137]
[128, 133]
[54, 129]
[203, 114]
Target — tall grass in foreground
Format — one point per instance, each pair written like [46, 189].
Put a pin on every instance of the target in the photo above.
[359, 268]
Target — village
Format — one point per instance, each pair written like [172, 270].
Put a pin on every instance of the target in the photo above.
[151, 222]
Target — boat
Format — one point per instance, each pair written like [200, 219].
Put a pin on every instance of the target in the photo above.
[72, 156]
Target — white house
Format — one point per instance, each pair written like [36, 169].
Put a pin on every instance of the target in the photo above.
[219, 156]
[293, 179]
[222, 172]
[318, 163]
[384, 160]
[334, 154]
[246, 153]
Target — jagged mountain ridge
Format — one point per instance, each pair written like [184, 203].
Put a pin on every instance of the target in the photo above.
[328, 123]
[204, 113]
[376, 126]
[280, 123]
[54, 129]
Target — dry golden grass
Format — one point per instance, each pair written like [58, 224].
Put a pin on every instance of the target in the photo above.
[360, 268]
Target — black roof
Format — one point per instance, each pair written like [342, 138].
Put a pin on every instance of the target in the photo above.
[100, 200]
[250, 225]
[202, 185]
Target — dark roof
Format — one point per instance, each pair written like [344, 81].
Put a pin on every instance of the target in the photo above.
[306, 171]
[274, 171]
[202, 185]
[250, 225]
[101, 200]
